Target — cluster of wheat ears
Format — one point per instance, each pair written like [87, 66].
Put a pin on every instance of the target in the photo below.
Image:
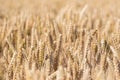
[59, 40]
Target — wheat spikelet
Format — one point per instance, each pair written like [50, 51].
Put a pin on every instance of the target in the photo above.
[69, 34]
[50, 41]
[14, 54]
[57, 52]
[116, 68]
[41, 53]
[48, 63]
[19, 55]
[116, 63]
[48, 67]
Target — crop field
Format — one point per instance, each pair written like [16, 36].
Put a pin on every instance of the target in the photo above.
[59, 39]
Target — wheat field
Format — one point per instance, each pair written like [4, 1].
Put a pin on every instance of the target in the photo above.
[59, 40]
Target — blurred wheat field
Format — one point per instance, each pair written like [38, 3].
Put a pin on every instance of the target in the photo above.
[59, 40]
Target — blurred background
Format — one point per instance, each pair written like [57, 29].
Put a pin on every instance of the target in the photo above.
[13, 7]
